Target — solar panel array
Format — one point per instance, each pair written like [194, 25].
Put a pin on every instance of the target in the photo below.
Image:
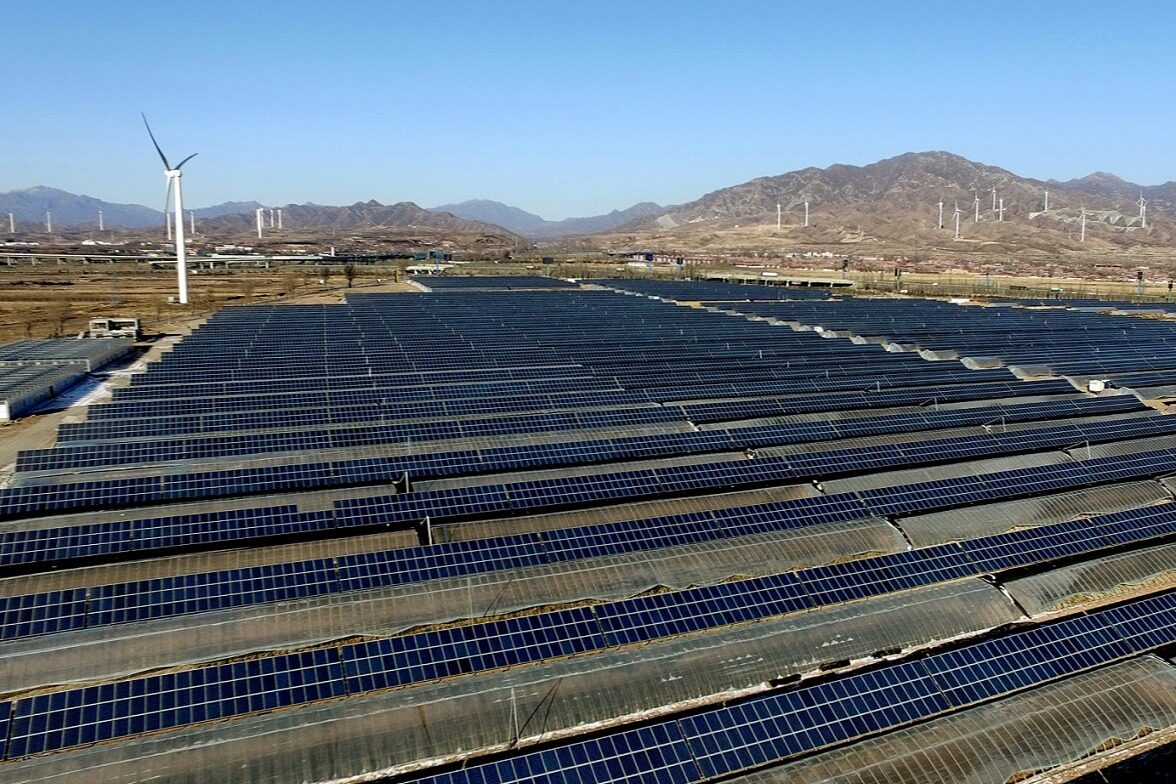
[523, 431]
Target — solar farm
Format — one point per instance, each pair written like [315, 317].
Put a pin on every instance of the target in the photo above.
[522, 529]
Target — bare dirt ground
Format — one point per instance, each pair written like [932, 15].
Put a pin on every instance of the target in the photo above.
[47, 300]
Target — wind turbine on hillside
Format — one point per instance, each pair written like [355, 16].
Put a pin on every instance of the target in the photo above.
[1142, 211]
[976, 197]
[1083, 237]
[173, 174]
[941, 213]
[957, 217]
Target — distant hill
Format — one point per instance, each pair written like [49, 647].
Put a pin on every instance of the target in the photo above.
[511, 218]
[361, 216]
[894, 202]
[528, 224]
[1111, 186]
[227, 208]
[70, 210]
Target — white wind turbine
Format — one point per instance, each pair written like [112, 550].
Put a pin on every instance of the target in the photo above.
[976, 219]
[941, 213]
[1083, 237]
[1142, 212]
[173, 175]
[957, 217]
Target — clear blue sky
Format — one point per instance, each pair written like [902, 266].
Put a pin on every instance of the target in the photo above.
[569, 108]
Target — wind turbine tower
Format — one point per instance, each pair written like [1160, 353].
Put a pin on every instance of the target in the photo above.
[957, 217]
[260, 221]
[11, 224]
[279, 219]
[101, 225]
[192, 222]
[806, 213]
[1083, 237]
[976, 201]
[48, 222]
[994, 198]
[777, 216]
[271, 217]
[1001, 214]
[1046, 202]
[1142, 212]
[941, 213]
[173, 175]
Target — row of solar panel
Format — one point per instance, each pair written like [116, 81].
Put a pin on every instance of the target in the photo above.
[767, 729]
[174, 449]
[129, 420]
[463, 503]
[626, 621]
[585, 332]
[755, 437]
[50, 499]
[810, 352]
[112, 425]
[854, 401]
[424, 408]
[719, 740]
[69, 434]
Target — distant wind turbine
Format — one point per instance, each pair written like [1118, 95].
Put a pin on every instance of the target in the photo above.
[1001, 217]
[1046, 202]
[957, 217]
[279, 219]
[48, 222]
[941, 213]
[101, 225]
[173, 174]
[994, 198]
[11, 224]
[976, 219]
[777, 216]
[806, 213]
[260, 221]
[1142, 211]
[1083, 237]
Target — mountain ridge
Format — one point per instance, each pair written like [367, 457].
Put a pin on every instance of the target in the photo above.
[528, 224]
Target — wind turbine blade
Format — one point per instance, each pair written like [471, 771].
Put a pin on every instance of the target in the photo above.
[190, 157]
[162, 157]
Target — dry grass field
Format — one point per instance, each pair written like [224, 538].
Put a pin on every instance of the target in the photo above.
[54, 300]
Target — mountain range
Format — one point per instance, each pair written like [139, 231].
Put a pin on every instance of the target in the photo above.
[70, 209]
[893, 206]
[887, 205]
